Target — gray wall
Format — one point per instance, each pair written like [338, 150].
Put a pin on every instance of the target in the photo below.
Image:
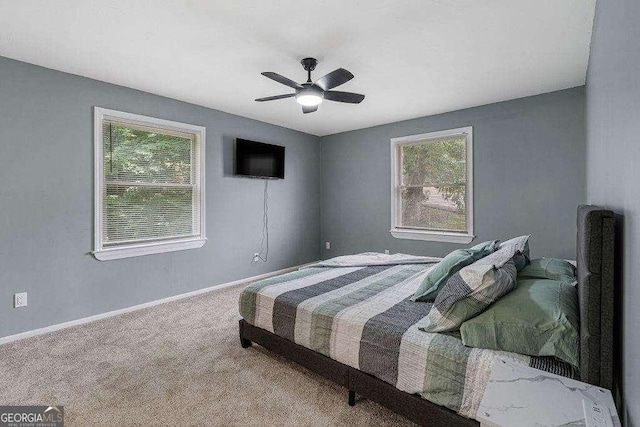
[337, 189]
[46, 197]
[528, 175]
[613, 162]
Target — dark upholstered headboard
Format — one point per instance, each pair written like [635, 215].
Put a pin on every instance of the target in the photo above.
[595, 265]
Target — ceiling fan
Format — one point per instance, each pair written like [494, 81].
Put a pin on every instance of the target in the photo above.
[310, 94]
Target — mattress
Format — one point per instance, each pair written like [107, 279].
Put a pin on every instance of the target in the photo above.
[359, 313]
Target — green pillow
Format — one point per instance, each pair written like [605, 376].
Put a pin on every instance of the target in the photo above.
[449, 266]
[549, 268]
[538, 318]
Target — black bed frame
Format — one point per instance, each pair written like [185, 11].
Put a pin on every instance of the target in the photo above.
[596, 293]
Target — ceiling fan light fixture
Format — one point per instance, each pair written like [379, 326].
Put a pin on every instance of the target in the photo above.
[309, 97]
[309, 100]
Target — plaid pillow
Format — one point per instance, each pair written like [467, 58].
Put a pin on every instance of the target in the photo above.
[522, 257]
[471, 290]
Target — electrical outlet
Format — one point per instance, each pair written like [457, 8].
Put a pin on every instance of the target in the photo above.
[327, 245]
[596, 415]
[256, 257]
[20, 300]
[386, 251]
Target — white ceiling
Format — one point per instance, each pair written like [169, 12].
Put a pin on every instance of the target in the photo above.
[410, 58]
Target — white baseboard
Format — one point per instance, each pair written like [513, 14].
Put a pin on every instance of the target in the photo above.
[57, 327]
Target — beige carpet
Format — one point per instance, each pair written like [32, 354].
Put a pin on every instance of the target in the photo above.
[175, 364]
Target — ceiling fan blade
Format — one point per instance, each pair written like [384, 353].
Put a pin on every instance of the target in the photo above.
[334, 79]
[273, 98]
[351, 98]
[282, 79]
[307, 110]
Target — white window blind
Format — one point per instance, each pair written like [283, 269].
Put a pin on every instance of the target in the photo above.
[432, 191]
[150, 197]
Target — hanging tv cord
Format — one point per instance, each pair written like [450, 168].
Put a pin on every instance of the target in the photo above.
[264, 244]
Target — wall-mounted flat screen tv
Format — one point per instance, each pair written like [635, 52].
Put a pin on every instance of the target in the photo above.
[259, 160]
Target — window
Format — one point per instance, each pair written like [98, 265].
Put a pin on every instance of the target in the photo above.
[432, 186]
[149, 185]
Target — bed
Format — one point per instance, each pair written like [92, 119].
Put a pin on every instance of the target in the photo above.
[351, 320]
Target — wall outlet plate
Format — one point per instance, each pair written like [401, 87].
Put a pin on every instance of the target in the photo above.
[596, 415]
[20, 300]
[327, 245]
[386, 251]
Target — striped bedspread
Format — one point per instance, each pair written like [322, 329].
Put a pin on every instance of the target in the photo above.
[361, 315]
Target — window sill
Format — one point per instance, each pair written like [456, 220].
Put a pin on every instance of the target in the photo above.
[148, 249]
[433, 236]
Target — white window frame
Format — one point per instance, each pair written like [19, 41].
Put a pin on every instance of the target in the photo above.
[103, 253]
[396, 179]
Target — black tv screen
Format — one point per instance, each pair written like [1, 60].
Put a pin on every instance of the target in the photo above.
[258, 160]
